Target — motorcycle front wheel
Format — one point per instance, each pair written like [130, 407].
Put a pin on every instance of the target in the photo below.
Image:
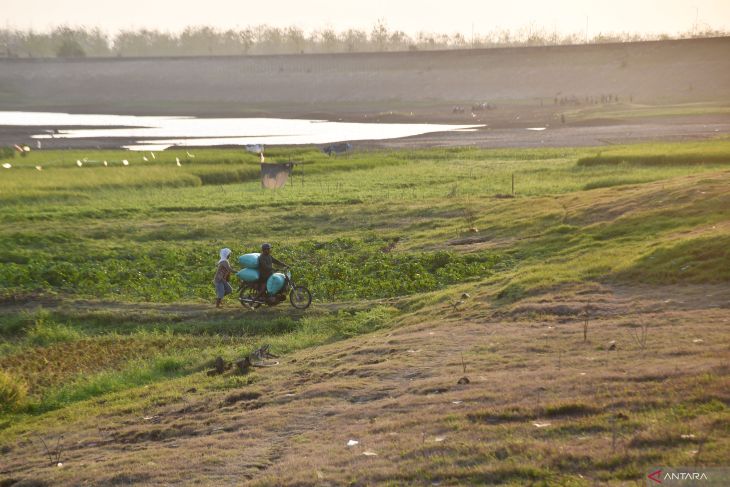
[300, 297]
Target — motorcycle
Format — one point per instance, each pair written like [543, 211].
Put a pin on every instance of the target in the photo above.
[299, 296]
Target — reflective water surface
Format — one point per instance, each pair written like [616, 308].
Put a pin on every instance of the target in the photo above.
[158, 133]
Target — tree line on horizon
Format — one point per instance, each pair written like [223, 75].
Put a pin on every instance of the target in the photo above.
[76, 42]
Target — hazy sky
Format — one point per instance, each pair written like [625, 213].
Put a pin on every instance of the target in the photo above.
[445, 16]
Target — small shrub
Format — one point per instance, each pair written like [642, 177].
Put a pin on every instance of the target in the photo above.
[13, 392]
[7, 152]
[570, 409]
[364, 321]
[45, 333]
[169, 364]
[277, 326]
[506, 415]
[512, 292]
[610, 182]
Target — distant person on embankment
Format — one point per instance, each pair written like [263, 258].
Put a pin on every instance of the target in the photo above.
[222, 273]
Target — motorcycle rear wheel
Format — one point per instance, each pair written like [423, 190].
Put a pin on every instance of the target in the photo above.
[247, 296]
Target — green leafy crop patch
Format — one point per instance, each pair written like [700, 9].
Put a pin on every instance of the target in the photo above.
[343, 268]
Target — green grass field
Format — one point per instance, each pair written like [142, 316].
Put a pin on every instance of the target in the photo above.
[105, 272]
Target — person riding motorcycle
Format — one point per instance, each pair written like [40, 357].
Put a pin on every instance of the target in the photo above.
[266, 268]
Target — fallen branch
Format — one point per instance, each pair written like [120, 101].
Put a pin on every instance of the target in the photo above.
[254, 359]
[641, 336]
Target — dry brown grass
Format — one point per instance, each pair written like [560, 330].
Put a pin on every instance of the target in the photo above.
[54, 364]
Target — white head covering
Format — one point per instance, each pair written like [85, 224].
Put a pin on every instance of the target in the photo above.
[225, 253]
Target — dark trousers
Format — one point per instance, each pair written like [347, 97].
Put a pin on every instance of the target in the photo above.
[263, 277]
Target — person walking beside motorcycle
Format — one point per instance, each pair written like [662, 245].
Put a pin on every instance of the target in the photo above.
[220, 280]
[266, 267]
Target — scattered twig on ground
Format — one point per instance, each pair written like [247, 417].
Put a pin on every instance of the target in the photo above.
[641, 335]
[614, 432]
[703, 440]
[455, 304]
[54, 456]
[540, 390]
[454, 190]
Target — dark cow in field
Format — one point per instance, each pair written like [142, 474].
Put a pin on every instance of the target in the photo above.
[340, 148]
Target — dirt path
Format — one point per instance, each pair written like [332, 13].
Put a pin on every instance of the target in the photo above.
[149, 312]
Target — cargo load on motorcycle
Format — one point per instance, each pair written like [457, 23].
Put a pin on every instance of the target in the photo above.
[277, 286]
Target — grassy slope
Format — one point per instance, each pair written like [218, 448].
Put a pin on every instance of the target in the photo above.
[557, 249]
